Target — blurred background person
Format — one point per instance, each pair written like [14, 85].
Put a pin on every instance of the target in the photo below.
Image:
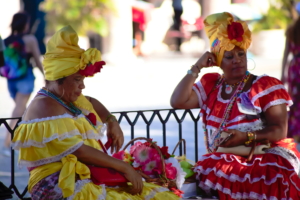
[20, 47]
[291, 75]
[178, 10]
[1, 52]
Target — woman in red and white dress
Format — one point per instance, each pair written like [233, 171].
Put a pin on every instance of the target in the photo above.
[250, 109]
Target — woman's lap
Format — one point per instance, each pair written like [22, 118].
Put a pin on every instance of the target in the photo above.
[234, 177]
[48, 188]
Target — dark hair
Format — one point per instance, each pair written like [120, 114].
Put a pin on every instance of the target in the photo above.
[59, 81]
[293, 32]
[19, 22]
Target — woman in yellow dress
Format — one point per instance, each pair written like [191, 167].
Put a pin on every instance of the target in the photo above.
[59, 133]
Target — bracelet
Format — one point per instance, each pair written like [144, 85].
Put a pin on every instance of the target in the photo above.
[196, 67]
[251, 137]
[110, 118]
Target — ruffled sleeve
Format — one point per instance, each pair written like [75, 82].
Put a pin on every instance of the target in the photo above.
[267, 91]
[47, 140]
[205, 86]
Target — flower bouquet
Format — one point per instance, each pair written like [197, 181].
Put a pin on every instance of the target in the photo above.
[154, 163]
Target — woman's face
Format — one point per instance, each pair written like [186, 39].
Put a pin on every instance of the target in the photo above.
[234, 63]
[71, 87]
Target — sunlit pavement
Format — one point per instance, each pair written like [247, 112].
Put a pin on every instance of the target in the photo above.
[142, 84]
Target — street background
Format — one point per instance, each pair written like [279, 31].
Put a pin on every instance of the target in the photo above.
[131, 82]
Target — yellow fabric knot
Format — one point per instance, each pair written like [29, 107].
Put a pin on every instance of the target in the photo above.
[64, 57]
[90, 56]
[71, 167]
[216, 30]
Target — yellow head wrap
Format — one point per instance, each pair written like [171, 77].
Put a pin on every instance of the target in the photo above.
[64, 57]
[224, 34]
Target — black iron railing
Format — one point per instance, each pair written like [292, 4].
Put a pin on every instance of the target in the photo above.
[166, 126]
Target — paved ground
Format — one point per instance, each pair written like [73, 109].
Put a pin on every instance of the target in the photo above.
[143, 83]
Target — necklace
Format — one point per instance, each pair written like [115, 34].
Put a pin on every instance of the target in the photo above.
[229, 88]
[73, 109]
[224, 121]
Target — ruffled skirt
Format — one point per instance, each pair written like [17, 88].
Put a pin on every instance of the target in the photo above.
[273, 175]
[48, 188]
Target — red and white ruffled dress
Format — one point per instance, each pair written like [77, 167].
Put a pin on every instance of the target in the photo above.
[273, 175]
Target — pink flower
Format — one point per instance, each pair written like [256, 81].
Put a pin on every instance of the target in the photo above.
[119, 155]
[235, 31]
[170, 171]
[142, 154]
[148, 168]
[134, 146]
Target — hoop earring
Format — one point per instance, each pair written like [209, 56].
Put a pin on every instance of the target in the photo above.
[253, 62]
[62, 93]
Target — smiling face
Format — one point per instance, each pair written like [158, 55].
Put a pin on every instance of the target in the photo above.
[234, 64]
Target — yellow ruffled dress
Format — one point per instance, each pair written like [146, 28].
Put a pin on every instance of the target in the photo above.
[46, 146]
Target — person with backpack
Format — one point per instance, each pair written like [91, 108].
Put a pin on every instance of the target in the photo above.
[1, 52]
[20, 47]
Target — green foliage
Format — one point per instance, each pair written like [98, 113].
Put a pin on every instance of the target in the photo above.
[82, 15]
[279, 16]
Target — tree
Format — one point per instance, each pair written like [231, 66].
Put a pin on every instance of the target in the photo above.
[82, 15]
[279, 16]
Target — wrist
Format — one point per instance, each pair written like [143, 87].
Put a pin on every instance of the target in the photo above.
[110, 118]
[251, 137]
[195, 68]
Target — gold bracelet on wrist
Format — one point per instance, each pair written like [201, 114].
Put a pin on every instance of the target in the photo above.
[111, 118]
[251, 137]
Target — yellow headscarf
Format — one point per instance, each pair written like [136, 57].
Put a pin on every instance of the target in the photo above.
[224, 34]
[64, 57]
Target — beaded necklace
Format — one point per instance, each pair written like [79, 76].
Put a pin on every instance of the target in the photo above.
[227, 112]
[229, 88]
[71, 107]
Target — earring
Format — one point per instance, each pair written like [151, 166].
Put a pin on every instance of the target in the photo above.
[253, 62]
[62, 93]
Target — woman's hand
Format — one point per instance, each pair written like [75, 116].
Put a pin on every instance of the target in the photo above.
[136, 180]
[237, 138]
[116, 134]
[208, 59]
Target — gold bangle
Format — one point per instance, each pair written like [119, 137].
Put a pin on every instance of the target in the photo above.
[251, 137]
[111, 118]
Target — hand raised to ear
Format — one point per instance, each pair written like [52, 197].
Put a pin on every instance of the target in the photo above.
[208, 59]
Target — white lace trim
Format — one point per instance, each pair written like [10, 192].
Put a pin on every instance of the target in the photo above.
[214, 119]
[81, 183]
[237, 118]
[244, 127]
[258, 77]
[248, 126]
[50, 159]
[233, 177]
[202, 91]
[66, 115]
[267, 91]
[154, 192]
[252, 195]
[89, 135]
[199, 94]
[219, 97]
[278, 102]
[288, 155]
